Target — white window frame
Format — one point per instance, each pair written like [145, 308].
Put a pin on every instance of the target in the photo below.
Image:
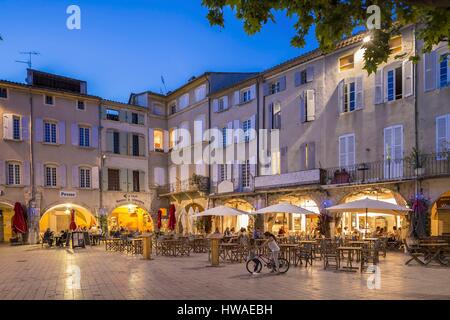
[51, 124]
[16, 179]
[161, 131]
[246, 127]
[246, 95]
[245, 173]
[183, 101]
[223, 172]
[78, 106]
[347, 94]
[82, 142]
[85, 177]
[50, 176]
[19, 120]
[439, 53]
[200, 93]
[275, 87]
[386, 71]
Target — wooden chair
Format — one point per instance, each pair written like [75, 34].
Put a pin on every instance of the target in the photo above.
[415, 252]
[304, 253]
[330, 255]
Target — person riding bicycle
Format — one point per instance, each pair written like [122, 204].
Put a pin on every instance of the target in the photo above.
[272, 244]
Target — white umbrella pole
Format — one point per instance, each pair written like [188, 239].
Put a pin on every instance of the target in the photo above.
[367, 223]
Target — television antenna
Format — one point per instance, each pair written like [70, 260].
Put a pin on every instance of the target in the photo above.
[29, 53]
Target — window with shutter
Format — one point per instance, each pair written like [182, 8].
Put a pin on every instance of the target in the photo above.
[49, 100]
[246, 127]
[50, 176]
[395, 44]
[135, 145]
[113, 180]
[347, 151]
[16, 128]
[444, 70]
[276, 116]
[394, 83]
[136, 183]
[245, 174]
[443, 137]
[84, 136]
[393, 152]
[13, 173]
[3, 93]
[50, 132]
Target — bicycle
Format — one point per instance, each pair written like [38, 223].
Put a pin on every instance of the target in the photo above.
[256, 264]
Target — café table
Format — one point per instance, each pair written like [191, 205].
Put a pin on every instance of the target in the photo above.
[434, 251]
[349, 253]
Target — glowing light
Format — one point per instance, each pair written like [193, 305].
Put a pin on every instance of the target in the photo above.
[367, 39]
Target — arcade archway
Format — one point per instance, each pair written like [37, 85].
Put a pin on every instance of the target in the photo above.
[6, 214]
[357, 221]
[440, 215]
[130, 218]
[57, 218]
[292, 222]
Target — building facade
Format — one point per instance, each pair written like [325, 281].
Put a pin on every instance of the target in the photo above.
[340, 135]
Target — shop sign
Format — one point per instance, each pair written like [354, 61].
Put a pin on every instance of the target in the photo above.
[67, 194]
[130, 198]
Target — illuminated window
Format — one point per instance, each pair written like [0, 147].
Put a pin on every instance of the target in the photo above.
[346, 62]
[395, 44]
[158, 140]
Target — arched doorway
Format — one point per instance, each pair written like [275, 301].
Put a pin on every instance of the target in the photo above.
[6, 214]
[440, 215]
[57, 218]
[238, 222]
[295, 223]
[131, 218]
[357, 221]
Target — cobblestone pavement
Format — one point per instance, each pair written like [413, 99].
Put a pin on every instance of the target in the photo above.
[30, 272]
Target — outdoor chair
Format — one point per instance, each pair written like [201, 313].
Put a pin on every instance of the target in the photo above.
[382, 245]
[304, 253]
[415, 252]
[330, 255]
[370, 254]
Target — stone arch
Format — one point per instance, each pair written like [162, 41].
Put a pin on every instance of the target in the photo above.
[440, 215]
[132, 216]
[57, 216]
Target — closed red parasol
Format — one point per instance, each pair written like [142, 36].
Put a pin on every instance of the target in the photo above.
[172, 219]
[73, 225]
[19, 223]
[159, 218]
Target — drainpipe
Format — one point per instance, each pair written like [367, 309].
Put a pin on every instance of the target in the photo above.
[33, 235]
[209, 128]
[416, 111]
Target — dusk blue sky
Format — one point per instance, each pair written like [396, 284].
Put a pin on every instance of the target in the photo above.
[125, 46]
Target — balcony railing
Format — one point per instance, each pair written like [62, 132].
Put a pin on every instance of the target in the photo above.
[314, 176]
[189, 185]
[389, 170]
[233, 185]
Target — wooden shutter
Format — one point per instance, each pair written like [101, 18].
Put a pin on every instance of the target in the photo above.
[253, 92]
[266, 89]
[282, 83]
[95, 181]
[342, 151]
[253, 127]
[309, 74]
[151, 137]
[62, 176]
[359, 91]
[303, 164]
[104, 179]
[2, 172]
[311, 105]
[61, 132]
[25, 129]
[270, 116]
[142, 184]
[297, 78]
[8, 126]
[408, 79]
[123, 179]
[75, 177]
[26, 173]
[341, 96]
[378, 87]
[347, 150]
[430, 63]
[311, 155]
[216, 105]
[123, 143]
[39, 174]
[94, 143]
[74, 134]
[109, 141]
[237, 98]
[141, 140]
[39, 130]
[302, 107]
[225, 103]
[141, 119]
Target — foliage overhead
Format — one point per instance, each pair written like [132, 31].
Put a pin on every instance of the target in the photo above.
[337, 19]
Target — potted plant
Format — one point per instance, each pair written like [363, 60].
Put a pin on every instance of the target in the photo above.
[416, 160]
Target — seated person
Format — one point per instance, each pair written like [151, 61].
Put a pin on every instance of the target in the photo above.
[227, 232]
[48, 237]
[281, 231]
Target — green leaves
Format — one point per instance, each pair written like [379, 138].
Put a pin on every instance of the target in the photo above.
[336, 19]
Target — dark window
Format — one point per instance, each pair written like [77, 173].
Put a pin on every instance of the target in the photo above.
[276, 116]
[398, 83]
[303, 77]
[80, 105]
[16, 128]
[49, 100]
[112, 114]
[173, 109]
[116, 144]
[113, 179]
[136, 187]
[3, 93]
[134, 118]
[135, 145]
